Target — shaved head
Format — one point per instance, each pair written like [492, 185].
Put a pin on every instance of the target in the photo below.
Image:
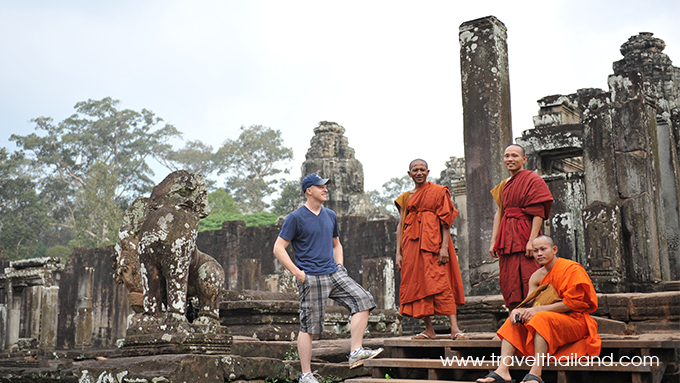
[524, 152]
[417, 160]
[548, 238]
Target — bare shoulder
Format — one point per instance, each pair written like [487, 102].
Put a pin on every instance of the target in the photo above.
[538, 275]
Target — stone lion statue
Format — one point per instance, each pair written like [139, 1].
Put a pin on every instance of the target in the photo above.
[157, 258]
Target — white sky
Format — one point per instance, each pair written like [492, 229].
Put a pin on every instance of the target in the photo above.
[388, 71]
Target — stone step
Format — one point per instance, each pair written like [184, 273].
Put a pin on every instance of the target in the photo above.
[438, 364]
[632, 341]
[380, 380]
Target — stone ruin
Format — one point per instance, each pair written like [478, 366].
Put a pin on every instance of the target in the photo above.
[610, 159]
[29, 296]
[330, 156]
[158, 261]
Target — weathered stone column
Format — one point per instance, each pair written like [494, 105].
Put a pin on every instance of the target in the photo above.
[3, 325]
[377, 277]
[637, 171]
[14, 317]
[84, 316]
[34, 309]
[487, 131]
[50, 317]
[601, 215]
[669, 166]
[250, 274]
[453, 177]
[644, 53]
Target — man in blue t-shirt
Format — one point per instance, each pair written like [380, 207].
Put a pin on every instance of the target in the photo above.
[313, 231]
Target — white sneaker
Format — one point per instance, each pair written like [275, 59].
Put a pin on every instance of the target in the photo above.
[357, 359]
[310, 378]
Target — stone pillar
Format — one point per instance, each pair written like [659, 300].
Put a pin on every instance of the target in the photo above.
[84, 315]
[661, 82]
[601, 215]
[3, 325]
[487, 132]
[637, 171]
[377, 277]
[670, 170]
[14, 317]
[34, 309]
[249, 274]
[453, 177]
[49, 318]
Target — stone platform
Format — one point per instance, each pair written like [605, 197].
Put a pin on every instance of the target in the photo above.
[251, 360]
[275, 316]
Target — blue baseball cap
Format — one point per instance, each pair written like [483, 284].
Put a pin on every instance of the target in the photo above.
[313, 179]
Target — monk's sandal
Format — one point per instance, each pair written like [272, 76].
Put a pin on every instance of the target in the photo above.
[357, 359]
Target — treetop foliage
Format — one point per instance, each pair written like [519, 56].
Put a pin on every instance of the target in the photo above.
[224, 208]
[70, 181]
[96, 161]
[252, 161]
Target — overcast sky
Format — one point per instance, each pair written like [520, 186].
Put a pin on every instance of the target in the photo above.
[388, 71]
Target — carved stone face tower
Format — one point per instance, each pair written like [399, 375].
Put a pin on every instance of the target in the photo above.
[330, 156]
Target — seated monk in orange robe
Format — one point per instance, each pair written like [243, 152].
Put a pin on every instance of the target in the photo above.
[563, 329]
[430, 277]
[524, 201]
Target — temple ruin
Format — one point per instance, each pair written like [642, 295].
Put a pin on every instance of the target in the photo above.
[609, 157]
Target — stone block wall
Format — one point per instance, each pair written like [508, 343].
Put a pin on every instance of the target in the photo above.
[249, 264]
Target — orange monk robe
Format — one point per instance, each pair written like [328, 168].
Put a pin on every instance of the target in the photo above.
[519, 199]
[571, 334]
[428, 288]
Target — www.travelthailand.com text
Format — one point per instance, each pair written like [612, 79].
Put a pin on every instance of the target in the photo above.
[550, 360]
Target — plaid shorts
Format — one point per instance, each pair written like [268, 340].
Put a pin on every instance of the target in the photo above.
[315, 291]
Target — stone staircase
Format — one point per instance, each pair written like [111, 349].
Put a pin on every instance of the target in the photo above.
[446, 360]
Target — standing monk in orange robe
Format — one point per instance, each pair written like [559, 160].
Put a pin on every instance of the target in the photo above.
[553, 333]
[524, 201]
[430, 277]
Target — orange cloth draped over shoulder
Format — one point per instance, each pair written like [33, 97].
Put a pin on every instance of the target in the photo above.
[428, 288]
[571, 334]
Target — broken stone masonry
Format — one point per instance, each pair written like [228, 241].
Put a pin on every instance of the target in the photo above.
[29, 308]
[610, 158]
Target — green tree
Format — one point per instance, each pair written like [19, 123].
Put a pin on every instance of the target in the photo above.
[59, 251]
[95, 162]
[287, 201]
[252, 163]
[221, 201]
[384, 199]
[196, 157]
[224, 208]
[23, 215]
